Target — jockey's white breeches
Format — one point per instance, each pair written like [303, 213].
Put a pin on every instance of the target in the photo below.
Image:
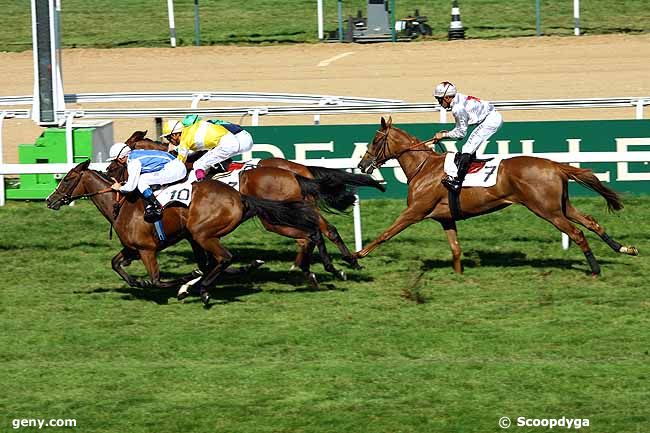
[172, 171]
[483, 132]
[229, 146]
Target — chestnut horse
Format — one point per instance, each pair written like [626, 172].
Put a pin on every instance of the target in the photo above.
[265, 181]
[216, 209]
[539, 184]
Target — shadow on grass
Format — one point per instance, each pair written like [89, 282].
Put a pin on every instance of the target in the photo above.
[509, 259]
[230, 288]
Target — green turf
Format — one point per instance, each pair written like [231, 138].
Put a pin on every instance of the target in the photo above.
[126, 23]
[524, 332]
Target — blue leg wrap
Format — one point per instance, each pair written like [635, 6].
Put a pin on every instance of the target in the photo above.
[160, 231]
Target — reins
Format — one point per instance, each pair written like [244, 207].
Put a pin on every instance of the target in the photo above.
[90, 194]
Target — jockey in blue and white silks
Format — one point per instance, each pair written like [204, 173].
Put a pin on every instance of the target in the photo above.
[146, 168]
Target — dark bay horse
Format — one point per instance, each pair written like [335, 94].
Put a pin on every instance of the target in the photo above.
[539, 184]
[216, 210]
[330, 186]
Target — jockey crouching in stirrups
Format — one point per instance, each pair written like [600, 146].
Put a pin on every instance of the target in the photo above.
[467, 110]
[146, 168]
[222, 140]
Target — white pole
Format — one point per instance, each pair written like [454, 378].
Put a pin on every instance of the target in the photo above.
[320, 20]
[565, 241]
[57, 78]
[172, 27]
[69, 139]
[443, 115]
[2, 178]
[356, 212]
[576, 17]
[639, 109]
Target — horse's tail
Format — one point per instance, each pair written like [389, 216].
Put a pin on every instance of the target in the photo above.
[333, 175]
[330, 195]
[295, 214]
[588, 179]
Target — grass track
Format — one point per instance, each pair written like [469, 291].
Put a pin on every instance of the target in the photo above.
[523, 333]
[124, 23]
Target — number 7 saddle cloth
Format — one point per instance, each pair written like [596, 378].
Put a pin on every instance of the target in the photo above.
[482, 172]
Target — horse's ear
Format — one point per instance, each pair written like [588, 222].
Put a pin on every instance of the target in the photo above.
[390, 121]
[135, 137]
[82, 166]
[383, 123]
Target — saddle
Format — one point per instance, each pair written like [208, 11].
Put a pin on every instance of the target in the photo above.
[476, 164]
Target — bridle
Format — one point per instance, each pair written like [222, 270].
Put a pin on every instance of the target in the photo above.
[67, 198]
[384, 153]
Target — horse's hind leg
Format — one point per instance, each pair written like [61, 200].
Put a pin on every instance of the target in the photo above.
[222, 258]
[333, 235]
[590, 223]
[326, 259]
[564, 225]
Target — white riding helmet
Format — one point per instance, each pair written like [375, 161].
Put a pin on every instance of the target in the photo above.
[444, 89]
[171, 127]
[118, 150]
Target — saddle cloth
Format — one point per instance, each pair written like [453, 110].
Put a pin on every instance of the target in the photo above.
[481, 173]
[231, 177]
[181, 192]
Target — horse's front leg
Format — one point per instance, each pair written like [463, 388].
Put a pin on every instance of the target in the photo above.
[409, 216]
[449, 226]
[122, 259]
[150, 263]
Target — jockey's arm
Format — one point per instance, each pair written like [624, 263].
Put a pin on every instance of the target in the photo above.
[134, 167]
[462, 122]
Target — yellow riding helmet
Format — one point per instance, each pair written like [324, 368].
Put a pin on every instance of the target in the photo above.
[171, 127]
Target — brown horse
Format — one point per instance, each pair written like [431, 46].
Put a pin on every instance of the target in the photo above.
[539, 184]
[216, 209]
[312, 183]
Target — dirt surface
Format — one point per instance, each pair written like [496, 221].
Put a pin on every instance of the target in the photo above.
[506, 69]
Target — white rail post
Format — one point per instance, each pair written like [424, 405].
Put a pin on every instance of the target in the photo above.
[565, 241]
[639, 109]
[320, 19]
[69, 138]
[576, 17]
[2, 178]
[358, 236]
[443, 115]
[172, 26]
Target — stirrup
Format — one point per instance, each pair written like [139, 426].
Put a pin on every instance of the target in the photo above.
[152, 213]
[452, 183]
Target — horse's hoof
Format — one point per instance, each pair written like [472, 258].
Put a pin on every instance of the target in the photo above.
[313, 281]
[632, 251]
[293, 267]
[205, 298]
[595, 275]
[197, 273]
[341, 275]
[257, 263]
[182, 293]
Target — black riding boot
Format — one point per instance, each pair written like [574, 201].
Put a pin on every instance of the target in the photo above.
[152, 209]
[456, 183]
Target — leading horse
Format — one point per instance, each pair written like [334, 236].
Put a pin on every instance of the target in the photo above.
[539, 184]
[215, 210]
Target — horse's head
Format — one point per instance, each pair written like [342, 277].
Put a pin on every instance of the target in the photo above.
[117, 171]
[69, 186]
[379, 150]
[135, 137]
